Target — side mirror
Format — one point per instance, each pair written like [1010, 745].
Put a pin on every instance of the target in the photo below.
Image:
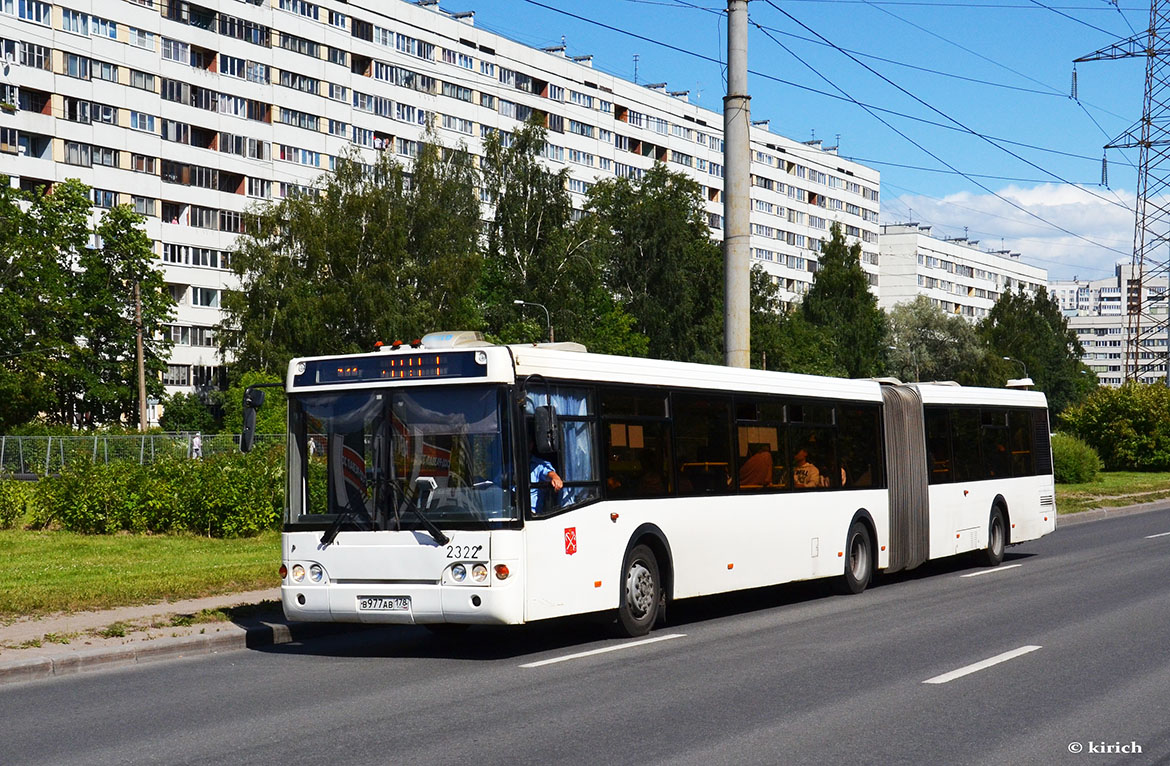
[253, 399]
[545, 430]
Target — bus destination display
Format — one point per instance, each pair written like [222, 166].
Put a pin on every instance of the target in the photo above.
[370, 369]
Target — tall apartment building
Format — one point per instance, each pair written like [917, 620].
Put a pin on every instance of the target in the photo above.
[1099, 314]
[191, 112]
[955, 274]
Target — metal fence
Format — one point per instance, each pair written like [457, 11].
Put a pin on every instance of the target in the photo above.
[46, 455]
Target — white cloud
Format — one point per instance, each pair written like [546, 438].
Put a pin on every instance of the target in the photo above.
[1104, 217]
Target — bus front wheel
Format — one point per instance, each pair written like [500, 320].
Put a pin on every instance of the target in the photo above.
[641, 592]
[992, 555]
[858, 560]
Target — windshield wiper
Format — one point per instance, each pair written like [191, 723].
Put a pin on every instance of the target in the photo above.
[331, 533]
[434, 531]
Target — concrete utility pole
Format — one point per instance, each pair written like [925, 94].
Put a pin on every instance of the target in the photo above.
[736, 193]
[141, 360]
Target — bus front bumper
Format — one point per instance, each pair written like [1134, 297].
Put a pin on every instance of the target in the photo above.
[403, 604]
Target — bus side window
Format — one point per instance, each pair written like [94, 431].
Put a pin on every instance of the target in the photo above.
[638, 459]
[938, 446]
[996, 447]
[576, 460]
[1020, 426]
[702, 433]
[858, 440]
[965, 442]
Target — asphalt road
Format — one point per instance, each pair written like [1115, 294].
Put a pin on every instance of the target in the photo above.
[1080, 622]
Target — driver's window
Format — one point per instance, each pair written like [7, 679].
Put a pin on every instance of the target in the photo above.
[575, 463]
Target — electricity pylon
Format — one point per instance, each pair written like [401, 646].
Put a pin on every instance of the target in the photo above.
[1145, 308]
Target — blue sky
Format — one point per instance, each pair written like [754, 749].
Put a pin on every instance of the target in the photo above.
[1001, 69]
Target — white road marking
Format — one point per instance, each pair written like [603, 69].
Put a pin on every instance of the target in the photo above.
[1160, 534]
[993, 570]
[603, 650]
[975, 668]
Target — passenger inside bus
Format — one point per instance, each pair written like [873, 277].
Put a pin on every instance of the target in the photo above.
[804, 473]
[756, 471]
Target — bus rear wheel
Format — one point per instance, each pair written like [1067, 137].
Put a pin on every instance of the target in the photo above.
[858, 560]
[992, 555]
[641, 592]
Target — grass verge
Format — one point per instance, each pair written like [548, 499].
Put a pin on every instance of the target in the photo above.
[47, 572]
[1112, 490]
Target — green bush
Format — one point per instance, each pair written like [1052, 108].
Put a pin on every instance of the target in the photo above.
[1073, 461]
[1128, 426]
[227, 495]
[15, 497]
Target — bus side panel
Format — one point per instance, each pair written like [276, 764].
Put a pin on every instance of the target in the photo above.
[960, 512]
[718, 544]
[573, 562]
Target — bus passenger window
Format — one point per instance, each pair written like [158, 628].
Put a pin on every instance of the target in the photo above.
[938, 446]
[859, 444]
[1020, 425]
[702, 433]
[996, 448]
[638, 459]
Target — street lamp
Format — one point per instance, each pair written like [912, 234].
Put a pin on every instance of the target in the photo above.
[547, 317]
[1017, 361]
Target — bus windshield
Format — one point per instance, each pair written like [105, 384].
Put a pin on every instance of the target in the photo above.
[371, 454]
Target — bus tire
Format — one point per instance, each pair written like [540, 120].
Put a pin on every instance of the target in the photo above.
[641, 592]
[858, 560]
[992, 555]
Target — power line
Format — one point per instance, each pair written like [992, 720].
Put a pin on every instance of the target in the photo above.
[964, 5]
[809, 89]
[923, 148]
[867, 161]
[1049, 92]
[1059, 12]
[923, 103]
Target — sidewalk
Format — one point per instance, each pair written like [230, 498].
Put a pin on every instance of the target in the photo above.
[37, 649]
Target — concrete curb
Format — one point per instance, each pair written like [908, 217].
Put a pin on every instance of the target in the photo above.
[234, 637]
[1071, 519]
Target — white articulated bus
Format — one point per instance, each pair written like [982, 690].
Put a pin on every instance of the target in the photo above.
[413, 496]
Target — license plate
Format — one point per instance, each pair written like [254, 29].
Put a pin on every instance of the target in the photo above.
[383, 603]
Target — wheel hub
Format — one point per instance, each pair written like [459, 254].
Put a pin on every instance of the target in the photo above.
[639, 589]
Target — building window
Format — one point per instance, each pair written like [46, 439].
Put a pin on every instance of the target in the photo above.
[77, 66]
[177, 375]
[173, 50]
[142, 164]
[143, 205]
[75, 21]
[140, 121]
[140, 38]
[104, 198]
[141, 80]
[205, 296]
[103, 70]
[78, 153]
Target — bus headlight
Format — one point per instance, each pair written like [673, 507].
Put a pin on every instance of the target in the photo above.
[479, 572]
[316, 573]
[298, 573]
[459, 572]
